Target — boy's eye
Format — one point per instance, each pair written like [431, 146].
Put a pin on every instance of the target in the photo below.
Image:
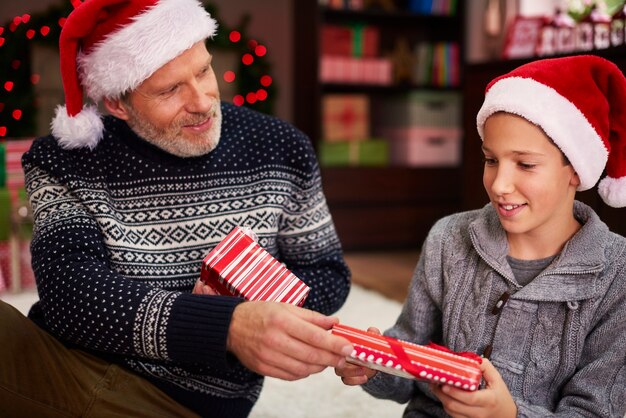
[527, 166]
[489, 161]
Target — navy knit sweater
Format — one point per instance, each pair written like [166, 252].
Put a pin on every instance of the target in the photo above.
[121, 230]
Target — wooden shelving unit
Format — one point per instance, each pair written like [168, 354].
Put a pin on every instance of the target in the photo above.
[374, 207]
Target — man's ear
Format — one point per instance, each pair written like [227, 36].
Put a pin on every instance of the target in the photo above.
[117, 108]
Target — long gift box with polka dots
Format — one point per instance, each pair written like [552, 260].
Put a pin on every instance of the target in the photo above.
[238, 266]
[431, 362]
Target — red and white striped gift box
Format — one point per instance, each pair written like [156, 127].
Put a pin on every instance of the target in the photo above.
[432, 363]
[238, 266]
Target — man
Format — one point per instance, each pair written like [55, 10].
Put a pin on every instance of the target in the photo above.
[125, 208]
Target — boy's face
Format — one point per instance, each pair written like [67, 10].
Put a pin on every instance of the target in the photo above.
[527, 180]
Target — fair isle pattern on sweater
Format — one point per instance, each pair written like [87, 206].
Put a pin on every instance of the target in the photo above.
[120, 233]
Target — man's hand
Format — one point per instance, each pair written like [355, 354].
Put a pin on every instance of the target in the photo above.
[493, 401]
[202, 289]
[284, 341]
[352, 374]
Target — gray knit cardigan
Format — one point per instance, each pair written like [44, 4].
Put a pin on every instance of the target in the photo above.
[560, 341]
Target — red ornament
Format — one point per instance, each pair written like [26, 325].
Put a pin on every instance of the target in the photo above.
[45, 30]
[3, 131]
[1, 30]
[234, 36]
[229, 76]
[12, 26]
[61, 21]
[15, 64]
[238, 100]
[25, 18]
[34, 78]
[8, 86]
[17, 20]
[30, 33]
[17, 114]
[1, 41]
[251, 97]
[266, 81]
[261, 94]
[247, 59]
[252, 44]
[260, 50]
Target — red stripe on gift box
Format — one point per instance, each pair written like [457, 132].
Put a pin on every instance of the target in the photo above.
[239, 266]
[376, 351]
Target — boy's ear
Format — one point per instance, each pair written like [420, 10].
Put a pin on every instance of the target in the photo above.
[575, 180]
[117, 108]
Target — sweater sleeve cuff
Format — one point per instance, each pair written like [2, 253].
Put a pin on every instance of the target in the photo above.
[198, 329]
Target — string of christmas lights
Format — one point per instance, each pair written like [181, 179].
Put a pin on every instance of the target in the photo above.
[253, 83]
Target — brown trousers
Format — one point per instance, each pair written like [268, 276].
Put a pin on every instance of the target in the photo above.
[40, 377]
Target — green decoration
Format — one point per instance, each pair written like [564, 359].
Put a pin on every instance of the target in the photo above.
[18, 102]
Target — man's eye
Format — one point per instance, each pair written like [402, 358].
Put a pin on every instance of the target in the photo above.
[169, 90]
[489, 161]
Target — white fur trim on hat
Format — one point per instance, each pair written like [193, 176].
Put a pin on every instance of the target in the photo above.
[82, 130]
[132, 54]
[613, 191]
[559, 118]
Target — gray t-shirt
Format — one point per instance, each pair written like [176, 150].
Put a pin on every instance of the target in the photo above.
[526, 270]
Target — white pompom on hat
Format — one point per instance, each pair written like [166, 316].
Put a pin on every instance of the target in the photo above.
[580, 103]
[109, 47]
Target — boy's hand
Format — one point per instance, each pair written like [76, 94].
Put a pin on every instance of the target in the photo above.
[493, 401]
[352, 374]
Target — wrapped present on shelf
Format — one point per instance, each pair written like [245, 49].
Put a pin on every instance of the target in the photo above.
[418, 108]
[365, 40]
[431, 363]
[370, 152]
[418, 146]
[238, 266]
[356, 70]
[336, 40]
[345, 117]
[14, 148]
[15, 219]
[16, 228]
[7, 241]
[350, 40]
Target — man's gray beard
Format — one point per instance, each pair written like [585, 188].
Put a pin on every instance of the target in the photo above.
[174, 143]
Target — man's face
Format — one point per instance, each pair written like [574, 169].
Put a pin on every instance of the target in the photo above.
[178, 107]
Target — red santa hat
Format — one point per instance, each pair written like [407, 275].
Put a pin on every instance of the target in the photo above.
[580, 103]
[109, 47]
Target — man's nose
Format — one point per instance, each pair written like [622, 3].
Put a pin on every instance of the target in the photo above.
[200, 99]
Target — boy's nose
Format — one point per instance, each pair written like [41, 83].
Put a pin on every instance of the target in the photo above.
[503, 183]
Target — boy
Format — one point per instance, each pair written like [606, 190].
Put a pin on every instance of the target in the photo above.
[534, 281]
